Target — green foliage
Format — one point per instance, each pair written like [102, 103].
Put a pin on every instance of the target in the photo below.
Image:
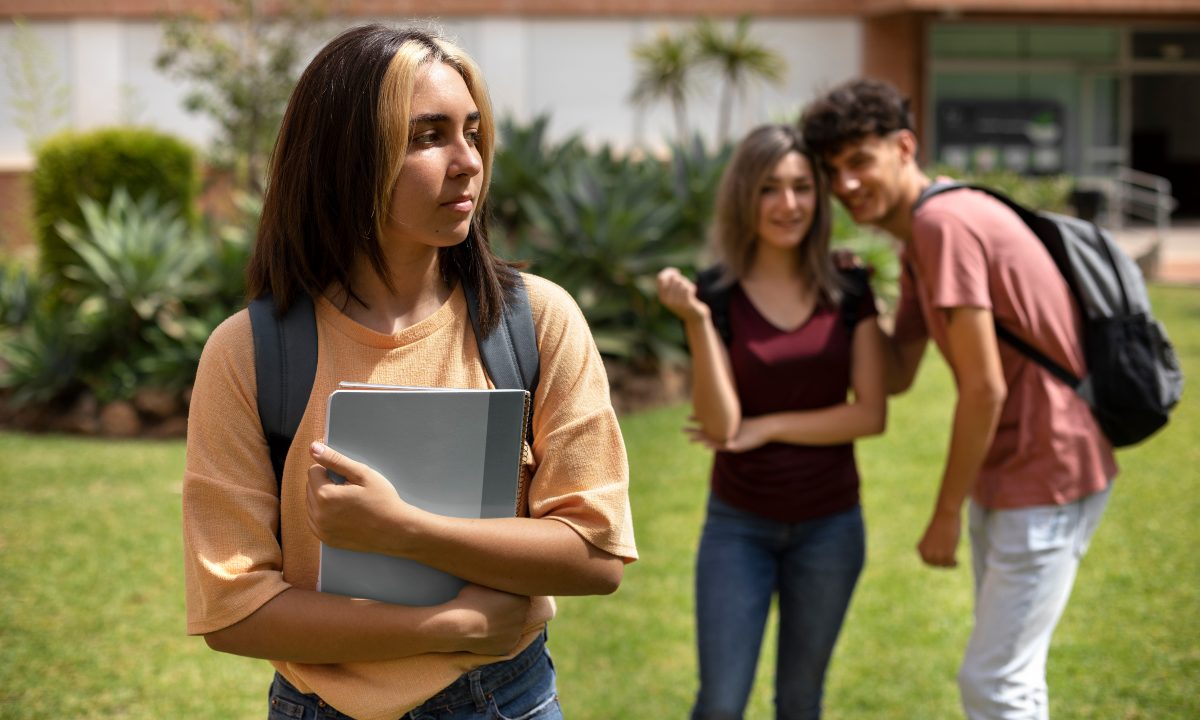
[146, 291]
[92, 165]
[665, 67]
[39, 99]
[1041, 192]
[738, 60]
[602, 225]
[668, 68]
[523, 160]
[19, 292]
[875, 248]
[41, 361]
[240, 76]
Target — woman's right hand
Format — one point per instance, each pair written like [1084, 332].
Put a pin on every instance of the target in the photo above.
[491, 622]
[678, 294]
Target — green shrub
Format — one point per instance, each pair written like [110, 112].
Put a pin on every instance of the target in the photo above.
[71, 166]
[1041, 192]
[145, 292]
[602, 224]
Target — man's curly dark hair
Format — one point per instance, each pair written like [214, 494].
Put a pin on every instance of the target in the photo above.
[853, 110]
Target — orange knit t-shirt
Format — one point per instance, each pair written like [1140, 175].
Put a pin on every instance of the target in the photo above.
[233, 563]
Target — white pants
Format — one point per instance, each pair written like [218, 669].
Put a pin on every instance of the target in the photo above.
[1025, 562]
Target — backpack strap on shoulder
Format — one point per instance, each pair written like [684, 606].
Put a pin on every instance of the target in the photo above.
[285, 363]
[856, 282]
[510, 352]
[714, 290]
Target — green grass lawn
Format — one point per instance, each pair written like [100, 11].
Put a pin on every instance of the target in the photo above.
[91, 587]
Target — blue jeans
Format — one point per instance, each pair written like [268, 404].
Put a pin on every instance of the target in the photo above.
[744, 560]
[518, 689]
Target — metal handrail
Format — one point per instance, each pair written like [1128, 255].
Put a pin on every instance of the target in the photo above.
[1141, 195]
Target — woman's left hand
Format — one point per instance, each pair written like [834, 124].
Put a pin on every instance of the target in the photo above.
[752, 433]
[363, 513]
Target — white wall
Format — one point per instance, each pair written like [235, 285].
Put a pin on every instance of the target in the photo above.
[581, 72]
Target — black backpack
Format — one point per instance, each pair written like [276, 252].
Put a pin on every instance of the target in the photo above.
[1133, 379]
[713, 291]
[285, 361]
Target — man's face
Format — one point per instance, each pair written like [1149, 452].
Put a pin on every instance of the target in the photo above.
[865, 176]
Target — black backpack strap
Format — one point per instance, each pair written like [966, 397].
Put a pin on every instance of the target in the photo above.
[713, 289]
[856, 282]
[510, 352]
[1030, 219]
[285, 363]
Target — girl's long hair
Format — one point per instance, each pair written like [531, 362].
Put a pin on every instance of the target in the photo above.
[734, 237]
[340, 149]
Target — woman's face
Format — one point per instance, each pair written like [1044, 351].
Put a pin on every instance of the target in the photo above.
[437, 191]
[787, 201]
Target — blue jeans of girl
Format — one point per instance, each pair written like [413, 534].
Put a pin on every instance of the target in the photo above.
[744, 561]
[522, 688]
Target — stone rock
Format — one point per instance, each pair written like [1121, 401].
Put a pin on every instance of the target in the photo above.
[81, 417]
[172, 427]
[120, 419]
[157, 403]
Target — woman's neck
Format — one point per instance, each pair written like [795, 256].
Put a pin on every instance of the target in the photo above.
[419, 291]
[774, 265]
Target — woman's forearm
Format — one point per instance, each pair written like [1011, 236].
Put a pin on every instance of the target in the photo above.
[517, 555]
[833, 425]
[714, 397]
[307, 626]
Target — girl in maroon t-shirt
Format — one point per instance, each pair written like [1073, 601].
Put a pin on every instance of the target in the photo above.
[797, 377]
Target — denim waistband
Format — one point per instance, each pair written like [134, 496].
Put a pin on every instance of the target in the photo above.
[471, 687]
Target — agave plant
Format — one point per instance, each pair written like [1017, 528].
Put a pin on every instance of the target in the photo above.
[41, 359]
[137, 262]
[604, 230]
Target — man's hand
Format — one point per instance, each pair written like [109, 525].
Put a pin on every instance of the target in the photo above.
[940, 543]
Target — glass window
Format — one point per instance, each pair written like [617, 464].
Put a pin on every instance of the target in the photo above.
[1158, 45]
[1074, 43]
[976, 41]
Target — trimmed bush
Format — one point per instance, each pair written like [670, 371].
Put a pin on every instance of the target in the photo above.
[71, 166]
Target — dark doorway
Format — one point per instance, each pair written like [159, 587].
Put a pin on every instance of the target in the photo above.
[1165, 139]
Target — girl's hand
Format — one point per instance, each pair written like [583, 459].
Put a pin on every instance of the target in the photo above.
[752, 433]
[490, 622]
[678, 294]
[363, 513]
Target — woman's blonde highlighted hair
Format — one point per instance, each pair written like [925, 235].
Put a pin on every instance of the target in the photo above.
[340, 150]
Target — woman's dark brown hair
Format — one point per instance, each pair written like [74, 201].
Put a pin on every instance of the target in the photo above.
[340, 149]
[735, 219]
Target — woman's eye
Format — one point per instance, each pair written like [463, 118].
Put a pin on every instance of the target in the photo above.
[425, 138]
[473, 136]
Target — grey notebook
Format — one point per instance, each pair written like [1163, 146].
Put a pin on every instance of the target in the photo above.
[452, 452]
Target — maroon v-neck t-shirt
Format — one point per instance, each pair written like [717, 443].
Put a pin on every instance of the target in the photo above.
[778, 370]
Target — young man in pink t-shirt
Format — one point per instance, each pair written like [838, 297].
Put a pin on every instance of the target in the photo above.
[1024, 447]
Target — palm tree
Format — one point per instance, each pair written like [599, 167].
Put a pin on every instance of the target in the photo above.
[738, 58]
[665, 66]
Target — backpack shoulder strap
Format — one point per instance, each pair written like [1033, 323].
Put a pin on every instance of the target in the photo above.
[510, 352]
[713, 289]
[285, 363]
[855, 284]
[1030, 218]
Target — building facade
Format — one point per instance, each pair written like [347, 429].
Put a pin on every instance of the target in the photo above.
[1031, 85]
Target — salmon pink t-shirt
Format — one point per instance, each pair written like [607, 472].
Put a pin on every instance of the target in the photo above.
[970, 250]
